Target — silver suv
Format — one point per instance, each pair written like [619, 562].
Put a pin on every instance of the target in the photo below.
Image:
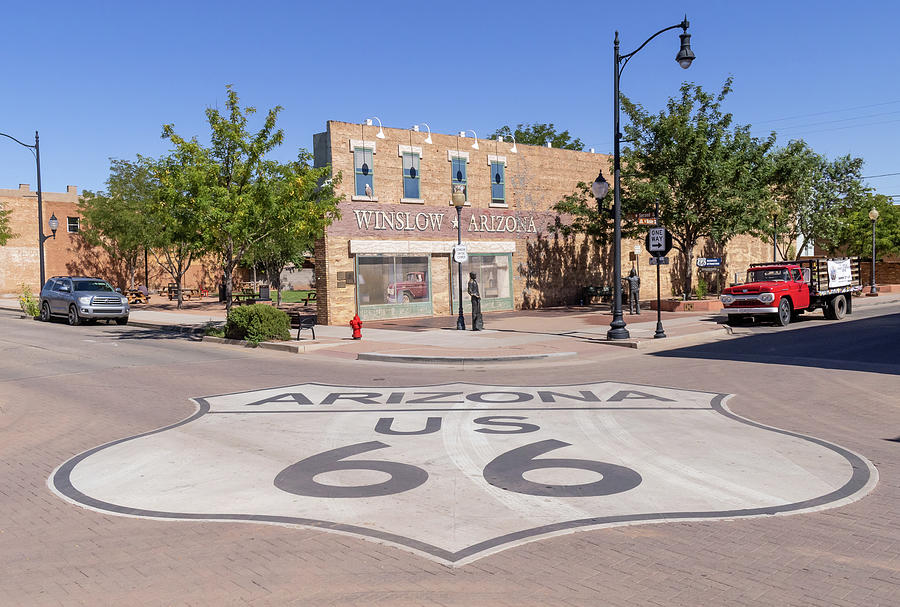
[80, 298]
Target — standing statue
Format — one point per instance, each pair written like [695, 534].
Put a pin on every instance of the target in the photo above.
[634, 292]
[477, 321]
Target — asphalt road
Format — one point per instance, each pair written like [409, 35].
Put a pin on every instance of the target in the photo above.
[65, 390]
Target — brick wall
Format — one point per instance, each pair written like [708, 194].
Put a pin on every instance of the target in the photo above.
[887, 271]
[68, 253]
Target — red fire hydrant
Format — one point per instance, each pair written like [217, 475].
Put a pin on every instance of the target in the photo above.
[356, 325]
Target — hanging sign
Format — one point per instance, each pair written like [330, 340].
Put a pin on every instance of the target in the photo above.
[460, 255]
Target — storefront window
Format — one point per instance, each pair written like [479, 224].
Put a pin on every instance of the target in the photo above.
[494, 281]
[393, 286]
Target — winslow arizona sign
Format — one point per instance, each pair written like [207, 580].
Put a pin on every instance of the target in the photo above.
[458, 471]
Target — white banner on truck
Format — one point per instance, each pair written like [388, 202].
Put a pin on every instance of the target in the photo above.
[839, 273]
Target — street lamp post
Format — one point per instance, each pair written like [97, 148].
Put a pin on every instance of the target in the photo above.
[684, 58]
[36, 150]
[873, 215]
[459, 200]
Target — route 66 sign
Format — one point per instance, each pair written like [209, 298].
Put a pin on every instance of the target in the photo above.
[458, 471]
[460, 254]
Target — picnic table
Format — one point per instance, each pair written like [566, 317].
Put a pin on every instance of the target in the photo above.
[308, 297]
[185, 293]
[136, 296]
[244, 296]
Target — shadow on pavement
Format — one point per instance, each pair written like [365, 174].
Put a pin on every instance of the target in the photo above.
[188, 334]
[869, 344]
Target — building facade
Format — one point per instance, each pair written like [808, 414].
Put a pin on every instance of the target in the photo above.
[389, 255]
[68, 253]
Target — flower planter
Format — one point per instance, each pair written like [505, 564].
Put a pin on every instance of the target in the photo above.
[691, 305]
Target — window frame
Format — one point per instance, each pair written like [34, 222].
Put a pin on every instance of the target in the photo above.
[69, 229]
[358, 145]
[415, 152]
[500, 162]
[463, 159]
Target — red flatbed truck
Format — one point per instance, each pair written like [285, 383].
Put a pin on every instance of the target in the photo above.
[785, 289]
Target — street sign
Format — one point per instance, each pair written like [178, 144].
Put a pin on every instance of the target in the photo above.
[660, 261]
[646, 219]
[637, 249]
[460, 255]
[658, 242]
[709, 262]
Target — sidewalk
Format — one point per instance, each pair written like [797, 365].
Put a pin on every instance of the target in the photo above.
[552, 333]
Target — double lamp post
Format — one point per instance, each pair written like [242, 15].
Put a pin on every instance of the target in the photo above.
[600, 187]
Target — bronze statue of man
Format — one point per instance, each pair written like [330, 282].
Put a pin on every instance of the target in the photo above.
[634, 292]
[477, 321]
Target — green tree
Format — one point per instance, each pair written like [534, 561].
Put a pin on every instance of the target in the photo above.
[709, 175]
[116, 219]
[812, 197]
[297, 181]
[180, 210]
[856, 238]
[5, 230]
[539, 134]
[246, 198]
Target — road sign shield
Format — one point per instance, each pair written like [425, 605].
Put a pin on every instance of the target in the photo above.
[482, 467]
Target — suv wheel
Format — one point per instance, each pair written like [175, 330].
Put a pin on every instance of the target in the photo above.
[122, 321]
[785, 311]
[45, 312]
[74, 319]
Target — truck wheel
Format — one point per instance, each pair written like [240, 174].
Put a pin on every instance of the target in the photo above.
[73, 318]
[785, 311]
[838, 307]
[407, 297]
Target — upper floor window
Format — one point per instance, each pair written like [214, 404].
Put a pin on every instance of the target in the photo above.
[498, 182]
[73, 225]
[411, 177]
[458, 172]
[363, 162]
[363, 169]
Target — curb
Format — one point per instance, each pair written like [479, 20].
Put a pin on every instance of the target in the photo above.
[455, 360]
[280, 346]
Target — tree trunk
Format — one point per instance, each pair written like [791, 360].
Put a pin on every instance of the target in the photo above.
[179, 276]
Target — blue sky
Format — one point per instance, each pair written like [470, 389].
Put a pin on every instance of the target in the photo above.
[99, 79]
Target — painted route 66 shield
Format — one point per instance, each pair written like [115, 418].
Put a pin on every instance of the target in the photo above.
[458, 471]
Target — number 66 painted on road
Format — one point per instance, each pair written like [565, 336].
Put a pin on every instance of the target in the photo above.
[505, 471]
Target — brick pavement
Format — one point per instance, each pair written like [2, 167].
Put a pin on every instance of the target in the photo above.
[53, 553]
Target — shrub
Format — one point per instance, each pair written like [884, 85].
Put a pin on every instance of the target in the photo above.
[256, 323]
[28, 302]
[702, 288]
[214, 330]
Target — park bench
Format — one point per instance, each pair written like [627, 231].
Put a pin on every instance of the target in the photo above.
[310, 296]
[303, 321]
[590, 291]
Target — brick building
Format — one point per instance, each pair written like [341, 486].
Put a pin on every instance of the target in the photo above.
[389, 255]
[68, 253]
